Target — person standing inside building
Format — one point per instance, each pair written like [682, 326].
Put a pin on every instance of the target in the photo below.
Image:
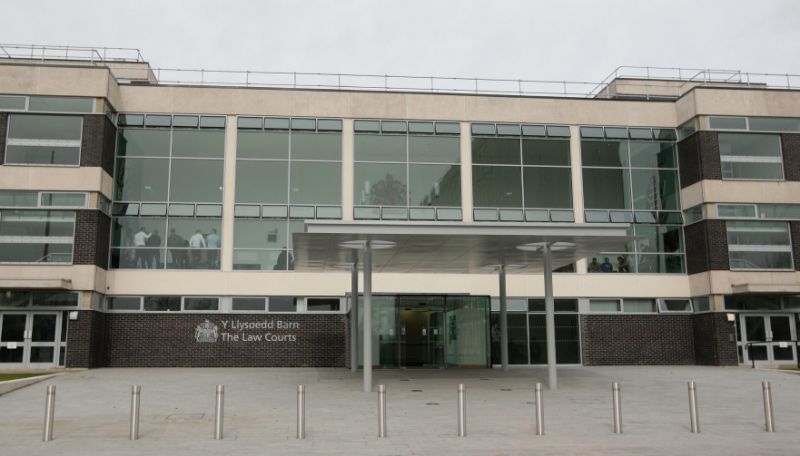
[594, 266]
[606, 266]
[154, 257]
[140, 244]
[177, 254]
[197, 242]
[213, 243]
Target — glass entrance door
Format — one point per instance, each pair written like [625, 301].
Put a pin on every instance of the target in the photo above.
[775, 332]
[30, 339]
[420, 322]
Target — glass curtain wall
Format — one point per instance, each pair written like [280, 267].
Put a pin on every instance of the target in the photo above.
[287, 170]
[407, 170]
[521, 173]
[630, 175]
[168, 181]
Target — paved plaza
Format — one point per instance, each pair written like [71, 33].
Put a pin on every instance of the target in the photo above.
[177, 418]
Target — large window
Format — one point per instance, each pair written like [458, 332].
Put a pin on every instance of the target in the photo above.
[630, 175]
[759, 245]
[521, 172]
[44, 140]
[168, 192]
[751, 156]
[407, 170]
[36, 236]
[287, 170]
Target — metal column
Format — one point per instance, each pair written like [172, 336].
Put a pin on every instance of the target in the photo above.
[550, 323]
[354, 315]
[503, 318]
[367, 317]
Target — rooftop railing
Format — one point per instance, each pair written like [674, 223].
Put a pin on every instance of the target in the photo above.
[625, 81]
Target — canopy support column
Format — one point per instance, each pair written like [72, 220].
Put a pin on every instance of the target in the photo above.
[549, 308]
[367, 317]
[354, 315]
[503, 318]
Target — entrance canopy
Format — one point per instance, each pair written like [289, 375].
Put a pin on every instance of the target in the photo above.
[424, 247]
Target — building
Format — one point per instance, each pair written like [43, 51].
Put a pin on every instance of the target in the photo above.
[156, 218]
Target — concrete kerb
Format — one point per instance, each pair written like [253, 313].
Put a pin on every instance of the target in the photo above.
[13, 385]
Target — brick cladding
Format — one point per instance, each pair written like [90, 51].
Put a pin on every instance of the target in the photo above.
[168, 340]
[3, 126]
[794, 229]
[698, 157]
[92, 231]
[85, 340]
[97, 146]
[714, 340]
[706, 246]
[790, 143]
[637, 340]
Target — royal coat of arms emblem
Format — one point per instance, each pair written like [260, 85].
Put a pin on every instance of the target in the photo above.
[206, 332]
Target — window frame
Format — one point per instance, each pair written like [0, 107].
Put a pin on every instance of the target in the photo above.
[75, 143]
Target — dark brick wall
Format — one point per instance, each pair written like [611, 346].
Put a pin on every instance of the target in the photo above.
[168, 340]
[698, 157]
[97, 147]
[714, 340]
[637, 339]
[92, 231]
[3, 126]
[794, 231]
[706, 246]
[790, 143]
[85, 340]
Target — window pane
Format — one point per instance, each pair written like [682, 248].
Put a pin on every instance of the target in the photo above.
[545, 152]
[496, 186]
[261, 144]
[18, 199]
[736, 210]
[10, 102]
[197, 304]
[249, 304]
[264, 260]
[752, 170]
[655, 189]
[267, 234]
[44, 127]
[141, 179]
[639, 305]
[43, 155]
[749, 144]
[606, 188]
[604, 153]
[322, 304]
[124, 303]
[36, 223]
[143, 143]
[64, 199]
[775, 123]
[61, 104]
[648, 154]
[380, 148]
[434, 149]
[316, 146]
[282, 304]
[547, 187]
[603, 305]
[262, 182]
[760, 260]
[727, 123]
[193, 243]
[162, 303]
[435, 185]
[196, 181]
[36, 253]
[206, 144]
[316, 182]
[758, 233]
[380, 184]
[505, 151]
[676, 305]
[136, 231]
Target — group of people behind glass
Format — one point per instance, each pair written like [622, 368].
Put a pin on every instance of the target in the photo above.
[622, 264]
[183, 253]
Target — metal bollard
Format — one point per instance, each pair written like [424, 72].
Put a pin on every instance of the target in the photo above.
[539, 410]
[301, 411]
[218, 412]
[381, 411]
[769, 419]
[462, 410]
[617, 408]
[694, 417]
[135, 395]
[49, 413]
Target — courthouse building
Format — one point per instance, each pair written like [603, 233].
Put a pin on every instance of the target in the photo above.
[195, 218]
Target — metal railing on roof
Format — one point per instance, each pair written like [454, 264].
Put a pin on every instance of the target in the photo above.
[46, 52]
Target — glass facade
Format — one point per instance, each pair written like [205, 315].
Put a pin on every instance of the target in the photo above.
[631, 176]
[407, 170]
[168, 186]
[287, 170]
[521, 172]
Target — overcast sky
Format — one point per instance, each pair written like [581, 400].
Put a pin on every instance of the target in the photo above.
[554, 39]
